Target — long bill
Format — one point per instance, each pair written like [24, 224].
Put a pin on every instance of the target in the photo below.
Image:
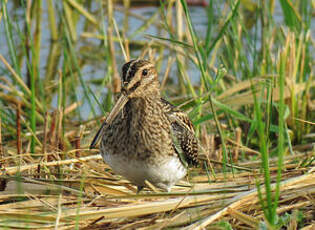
[123, 99]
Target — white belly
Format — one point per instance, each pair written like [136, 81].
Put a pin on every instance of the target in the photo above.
[164, 175]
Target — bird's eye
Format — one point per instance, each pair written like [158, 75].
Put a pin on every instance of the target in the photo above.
[145, 72]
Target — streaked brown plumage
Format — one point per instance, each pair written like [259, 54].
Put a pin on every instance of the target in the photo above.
[145, 137]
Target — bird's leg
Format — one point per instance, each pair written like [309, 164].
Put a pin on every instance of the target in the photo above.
[139, 188]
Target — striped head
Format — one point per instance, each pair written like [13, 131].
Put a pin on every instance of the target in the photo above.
[139, 78]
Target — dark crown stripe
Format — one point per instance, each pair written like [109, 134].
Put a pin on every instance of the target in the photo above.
[125, 69]
[130, 68]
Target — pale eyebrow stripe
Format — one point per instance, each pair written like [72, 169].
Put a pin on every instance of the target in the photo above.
[141, 68]
[149, 65]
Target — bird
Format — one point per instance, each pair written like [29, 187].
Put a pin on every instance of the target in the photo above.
[145, 137]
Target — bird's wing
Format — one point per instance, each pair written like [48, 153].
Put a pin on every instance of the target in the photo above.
[183, 134]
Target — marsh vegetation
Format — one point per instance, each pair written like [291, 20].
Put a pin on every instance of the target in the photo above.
[242, 70]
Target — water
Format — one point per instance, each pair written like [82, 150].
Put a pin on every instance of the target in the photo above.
[97, 69]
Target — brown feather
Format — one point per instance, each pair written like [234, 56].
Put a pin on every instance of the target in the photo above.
[184, 132]
[139, 138]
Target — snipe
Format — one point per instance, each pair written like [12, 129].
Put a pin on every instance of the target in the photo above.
[145, 137]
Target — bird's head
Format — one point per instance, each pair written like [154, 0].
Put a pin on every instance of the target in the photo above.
[139, 79]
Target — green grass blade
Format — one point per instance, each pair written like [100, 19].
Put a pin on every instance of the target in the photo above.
[291, 15]
[281, 137]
